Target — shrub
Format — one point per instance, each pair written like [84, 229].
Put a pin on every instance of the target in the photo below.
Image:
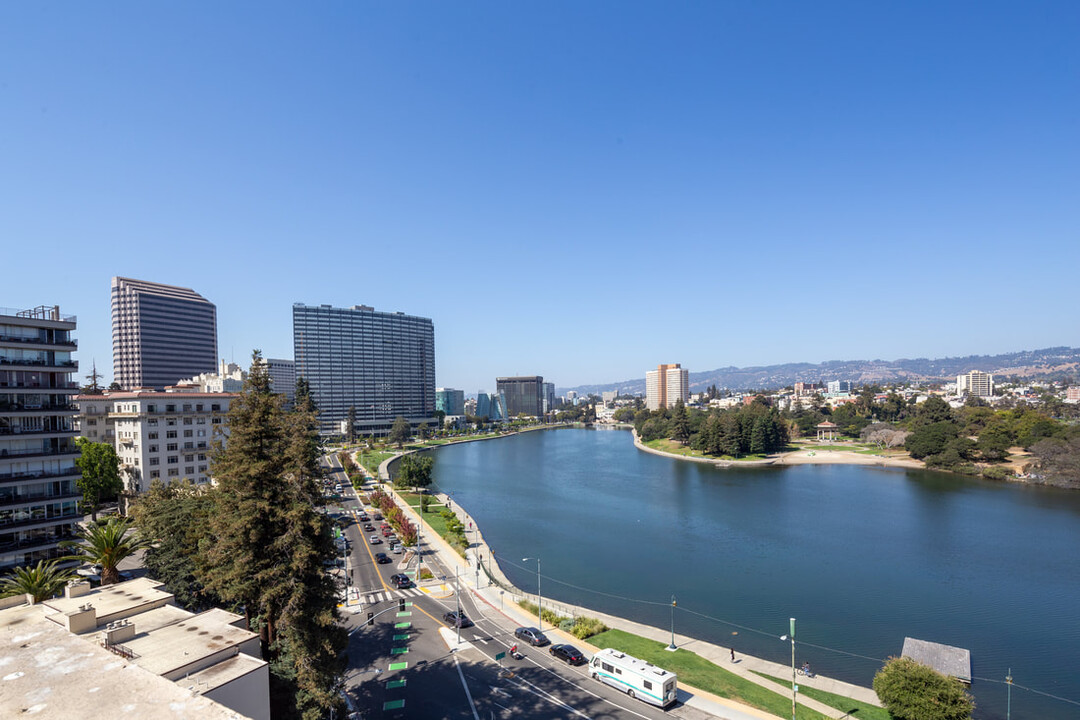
[913, 691]
[996, 473]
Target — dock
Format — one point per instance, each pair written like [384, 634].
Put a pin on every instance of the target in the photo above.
[946, 659]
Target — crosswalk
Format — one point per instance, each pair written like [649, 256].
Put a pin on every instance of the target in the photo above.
[374, 597]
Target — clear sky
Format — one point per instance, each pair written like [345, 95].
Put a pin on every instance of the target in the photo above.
[580, 190]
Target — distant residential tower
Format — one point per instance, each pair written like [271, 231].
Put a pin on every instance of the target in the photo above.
[666, 385]
[975, 383]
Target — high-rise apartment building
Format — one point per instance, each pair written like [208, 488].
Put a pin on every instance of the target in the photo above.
[666, 385]
[839, 386]
[282, 377]
[975, 383]
[160, 334]
[524, 395]
[38, 493]
[382, 364]
[450, 401]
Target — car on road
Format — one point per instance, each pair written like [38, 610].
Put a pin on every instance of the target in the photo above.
[382, 558]
[532, 636]
[397, 548]
[376, 516]
[401, 582]
[369, 528]
[375, 540]
[568, 654]
[456, 619]
[363, 518]
[387, 532]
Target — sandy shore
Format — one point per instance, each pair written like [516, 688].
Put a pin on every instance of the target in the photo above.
[807, 455]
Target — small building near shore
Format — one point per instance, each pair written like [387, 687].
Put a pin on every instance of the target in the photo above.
[827, 430]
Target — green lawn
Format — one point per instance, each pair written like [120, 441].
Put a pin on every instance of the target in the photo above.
[432, 517]
[372, 459]
[695, 671]
[675, 448]
[853, 708]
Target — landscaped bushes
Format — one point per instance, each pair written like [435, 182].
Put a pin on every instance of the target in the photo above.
[394, 515]
[580, 627]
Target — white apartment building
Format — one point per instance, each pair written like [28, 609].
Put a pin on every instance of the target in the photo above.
[228, 379]
[975, 383]
[163, 436]
[666, 385]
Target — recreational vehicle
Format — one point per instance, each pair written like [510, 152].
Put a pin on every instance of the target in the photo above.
[635, 677]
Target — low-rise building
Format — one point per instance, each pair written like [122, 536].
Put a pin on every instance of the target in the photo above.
[127, 649]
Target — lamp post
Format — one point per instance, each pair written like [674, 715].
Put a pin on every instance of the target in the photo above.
[539, 599]
[794, 687]
[1008, 706]
[672, 647]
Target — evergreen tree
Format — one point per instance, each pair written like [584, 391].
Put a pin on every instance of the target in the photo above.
[350, 421]
[400, 432]
[680, 422]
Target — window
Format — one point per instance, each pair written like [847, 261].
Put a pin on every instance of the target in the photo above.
[173, 460]
[91, 422]
[153, 448]
[200, 421]
[151, 408]
[202, 468]
[173, 472]
[215, 407]
[152, 422]
[201, 457]
[607, 668]
[647, 684]
[170, 422]
[188, 433]
[154, 461]
[217, 421]
[198, 407]
[189, 458]
[171, 447]
[170, 408]
[153, 435]
[170, 434]
[189, 470]
[187, 421]
[200, 433]
[154, 474]
[187, 407]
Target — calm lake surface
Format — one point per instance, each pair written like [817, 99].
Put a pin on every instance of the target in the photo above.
[861, 556]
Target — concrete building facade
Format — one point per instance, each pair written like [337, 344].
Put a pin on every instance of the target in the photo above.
[163, 436]
[160, 334]
[666, 385]
[282, 377]
[382, 364]
[975, 383]
[38, 492]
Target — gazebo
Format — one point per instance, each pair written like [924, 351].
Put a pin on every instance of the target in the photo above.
[826, 430]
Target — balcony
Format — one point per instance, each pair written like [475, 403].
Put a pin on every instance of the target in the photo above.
[36, 542]
[72, 344]
[22, 362]
[38, 474]
[25, 431]
[23, 499]
[38, 452]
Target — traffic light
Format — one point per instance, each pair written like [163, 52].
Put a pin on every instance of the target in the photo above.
[371, 618]
[401, 604]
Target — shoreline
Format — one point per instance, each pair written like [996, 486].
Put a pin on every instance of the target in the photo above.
[803, 456]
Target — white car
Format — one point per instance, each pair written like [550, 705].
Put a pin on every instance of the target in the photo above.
[396, 548]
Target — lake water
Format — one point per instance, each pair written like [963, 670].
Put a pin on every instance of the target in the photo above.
[861, 556]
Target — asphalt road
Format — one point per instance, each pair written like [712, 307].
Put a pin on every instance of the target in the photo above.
[403, 665]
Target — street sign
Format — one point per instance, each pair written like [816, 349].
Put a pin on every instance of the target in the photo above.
[499, 656]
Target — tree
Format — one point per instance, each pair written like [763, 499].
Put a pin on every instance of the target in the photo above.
[350, 421]
[115, 387]
[414, 471]
[92, 387]
[933, 410]
[422, 432]
[176, 517]
[930, 439]
[99, 469]
[680, 422]
[400, 432]
[106, 544]
[42, 581]
[913, 691]
[994, 442]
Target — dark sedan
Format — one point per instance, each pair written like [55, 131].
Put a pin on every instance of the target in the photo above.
[401, 582]
[568, 654]
[382, 558]
[456, 619]
[532, 636]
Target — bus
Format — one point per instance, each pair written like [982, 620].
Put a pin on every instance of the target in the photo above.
[635, 677]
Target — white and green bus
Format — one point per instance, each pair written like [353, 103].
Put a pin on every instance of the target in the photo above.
[635, 677]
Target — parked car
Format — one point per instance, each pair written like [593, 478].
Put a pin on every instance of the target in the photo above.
[387, 532]
[363, 518]
[401, 582]
[456, 619]
[376, 540]
[568, 654]
[376, 516]
[382, 558]
[397, 548]
[532, 636]
[337, 488]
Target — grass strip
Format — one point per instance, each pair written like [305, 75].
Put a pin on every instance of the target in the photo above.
[853, 708]
[695, 671]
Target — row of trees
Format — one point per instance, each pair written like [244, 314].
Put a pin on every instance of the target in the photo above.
[749, 430]
[256, 543]
[405, 529]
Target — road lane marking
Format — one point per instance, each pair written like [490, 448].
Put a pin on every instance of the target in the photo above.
[465, 685]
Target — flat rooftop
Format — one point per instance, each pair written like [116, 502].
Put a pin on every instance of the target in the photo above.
[48, 672]
[171, 648]
[115, 602]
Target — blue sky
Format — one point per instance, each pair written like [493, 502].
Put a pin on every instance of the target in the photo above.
[578, 190]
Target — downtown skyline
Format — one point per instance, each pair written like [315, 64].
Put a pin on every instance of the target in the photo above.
[578, 192]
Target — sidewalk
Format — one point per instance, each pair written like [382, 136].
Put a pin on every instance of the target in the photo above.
[504, 600]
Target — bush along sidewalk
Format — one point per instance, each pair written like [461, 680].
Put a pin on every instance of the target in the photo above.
[580, 627]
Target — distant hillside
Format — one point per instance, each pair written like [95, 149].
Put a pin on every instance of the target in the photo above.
[1050, 363]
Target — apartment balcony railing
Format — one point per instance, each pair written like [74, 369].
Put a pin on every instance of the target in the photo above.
[37, 431]
[72, 517]
[37, 452]
[6, 406]
[48, 498]
[39, 386]
[51, 554]
[36, 542]
[39, 341]
[22, 362]
[38, 474]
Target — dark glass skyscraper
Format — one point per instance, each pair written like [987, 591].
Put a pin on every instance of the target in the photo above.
[524, 395]
[382, 364]
[161, 334]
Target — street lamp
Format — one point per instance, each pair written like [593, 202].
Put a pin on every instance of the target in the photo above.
[672, 647]
[539, 599]
[794, 687]
[1008, 683]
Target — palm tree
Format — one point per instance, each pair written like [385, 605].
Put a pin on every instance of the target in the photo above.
[106, 544]
[42, 581]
